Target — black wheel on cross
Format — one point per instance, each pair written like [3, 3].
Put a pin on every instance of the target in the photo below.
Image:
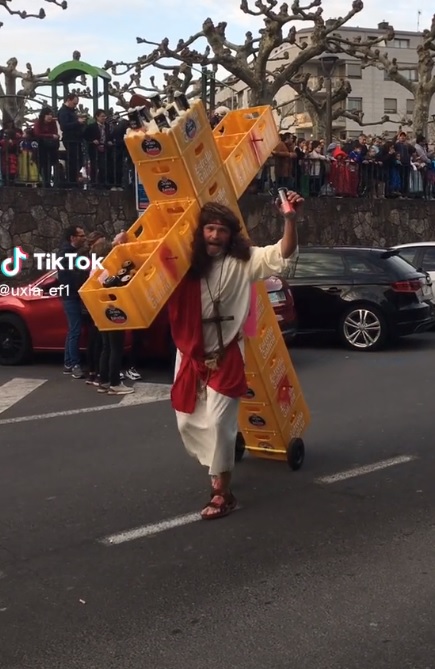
[295, 453]
[240, 447]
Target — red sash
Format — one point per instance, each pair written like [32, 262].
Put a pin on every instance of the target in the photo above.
[185, 317]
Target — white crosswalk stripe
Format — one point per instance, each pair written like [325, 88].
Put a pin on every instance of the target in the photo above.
[17, 389]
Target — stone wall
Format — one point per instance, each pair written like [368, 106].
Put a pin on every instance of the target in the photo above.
[35, 218]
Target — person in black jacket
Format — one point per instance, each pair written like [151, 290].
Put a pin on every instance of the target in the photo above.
[71, 280]
[72, 127]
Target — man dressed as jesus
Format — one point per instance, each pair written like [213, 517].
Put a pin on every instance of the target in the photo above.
[207, 313]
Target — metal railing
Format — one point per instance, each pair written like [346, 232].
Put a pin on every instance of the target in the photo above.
[86, 165]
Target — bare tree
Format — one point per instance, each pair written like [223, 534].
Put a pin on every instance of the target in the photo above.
[13, 99]
[316, 105]
[370, 55]
[7, 5]
[250, 62]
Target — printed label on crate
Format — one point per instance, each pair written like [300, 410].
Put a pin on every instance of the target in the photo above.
[167, 186]
[260, 306]
[192, 127]
[298, 425]
[205, 167]
[116, 315]
[159, 291]
[257, 421]
[267, 343]
[278, 374]
[151, 147]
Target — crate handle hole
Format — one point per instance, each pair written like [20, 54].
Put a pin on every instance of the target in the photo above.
[175, 210]
[213, 189]
[161, 169]
[199, 149]
[110, 297]
[139, 231]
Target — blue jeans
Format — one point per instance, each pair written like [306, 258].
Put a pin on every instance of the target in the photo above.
[73, 312]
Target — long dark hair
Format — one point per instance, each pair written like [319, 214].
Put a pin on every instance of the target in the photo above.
[238, 246]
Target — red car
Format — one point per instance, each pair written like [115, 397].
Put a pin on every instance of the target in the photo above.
[34, 321]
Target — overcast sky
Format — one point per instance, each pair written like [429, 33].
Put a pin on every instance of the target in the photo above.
[101, 30]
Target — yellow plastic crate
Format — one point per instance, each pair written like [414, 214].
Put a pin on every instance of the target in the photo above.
[158, 219]
[239, 155]
[238, 121]
[182, 177]
[166, 179]
[219, 189]
[191, 126]
[117, 308]
[264, 136]
[160, 265]
[268, 444]
[144, 147]
[148, 147]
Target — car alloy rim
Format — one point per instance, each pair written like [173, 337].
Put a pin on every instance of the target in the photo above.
[10, 341]
[362, 328]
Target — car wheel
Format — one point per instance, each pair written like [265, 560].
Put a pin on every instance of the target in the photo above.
[15, 342]
[363, 328]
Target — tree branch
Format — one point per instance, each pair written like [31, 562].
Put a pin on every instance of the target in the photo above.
[25, 15]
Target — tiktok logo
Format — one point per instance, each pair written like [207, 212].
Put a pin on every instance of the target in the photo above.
[12, 266]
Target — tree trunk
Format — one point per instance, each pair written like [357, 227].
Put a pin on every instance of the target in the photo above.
[318, 119]
[10, 106]
[420, 115]
[261, 95]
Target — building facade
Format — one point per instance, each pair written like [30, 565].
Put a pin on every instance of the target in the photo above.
[372, 93]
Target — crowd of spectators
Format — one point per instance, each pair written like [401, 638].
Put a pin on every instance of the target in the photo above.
[368, 166]
[71, 151]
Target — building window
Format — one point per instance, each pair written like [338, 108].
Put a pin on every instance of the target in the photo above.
[412, 75]
[400, 44]
[390, 106]
[354, 104]
[354, 71]
[410, 106]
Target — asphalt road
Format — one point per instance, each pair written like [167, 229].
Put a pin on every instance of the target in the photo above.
[308, 574]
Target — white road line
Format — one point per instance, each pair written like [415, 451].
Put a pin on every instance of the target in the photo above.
[16, 390]
[367, 469]
[150, 530]
[160, 393]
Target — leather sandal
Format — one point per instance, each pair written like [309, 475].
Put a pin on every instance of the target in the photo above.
[222, 504]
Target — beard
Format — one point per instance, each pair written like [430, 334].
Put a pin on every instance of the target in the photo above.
[215, 249]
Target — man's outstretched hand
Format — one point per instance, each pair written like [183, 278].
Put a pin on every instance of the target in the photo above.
[295, 201]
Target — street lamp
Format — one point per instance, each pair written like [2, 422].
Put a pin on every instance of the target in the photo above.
[328, 66]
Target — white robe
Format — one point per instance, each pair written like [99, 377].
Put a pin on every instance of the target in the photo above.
[209, 433]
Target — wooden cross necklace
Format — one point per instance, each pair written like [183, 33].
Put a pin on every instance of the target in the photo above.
[217, 319]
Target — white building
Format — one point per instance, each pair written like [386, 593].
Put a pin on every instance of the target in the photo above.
[372, 92]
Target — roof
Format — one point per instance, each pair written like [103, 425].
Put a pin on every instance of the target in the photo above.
[412, 244]
[373, 249]
[65, 73]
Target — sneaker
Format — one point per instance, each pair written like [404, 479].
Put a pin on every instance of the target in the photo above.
[91, 379]
[96, 381]
[122, 376]
[103, 387]
[133, 374]
[120, 390]
[67, 370]
[77, 372]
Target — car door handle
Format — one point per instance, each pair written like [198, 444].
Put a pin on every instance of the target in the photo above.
[334, 289]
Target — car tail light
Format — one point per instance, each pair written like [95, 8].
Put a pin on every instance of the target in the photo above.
[412, 286]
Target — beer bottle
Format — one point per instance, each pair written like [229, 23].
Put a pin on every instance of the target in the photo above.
[181, 102]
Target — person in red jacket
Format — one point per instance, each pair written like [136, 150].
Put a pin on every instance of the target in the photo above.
[46, 134]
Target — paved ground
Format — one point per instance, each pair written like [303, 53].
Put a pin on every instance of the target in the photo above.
[311, 573]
